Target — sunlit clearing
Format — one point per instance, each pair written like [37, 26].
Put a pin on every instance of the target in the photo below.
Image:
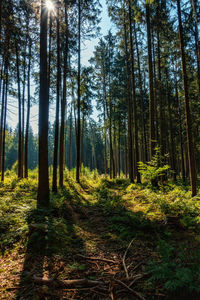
[49, 5]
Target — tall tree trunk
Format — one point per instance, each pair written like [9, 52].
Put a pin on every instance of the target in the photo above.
[119, 147]
[55, 157]
[104, 114]
[4, 128]
[23, 105]
[70, 140]
[171, 134]
[105, 140]
[180, 128]
[161, 102]
[187, 106]
[0, 36]
[2, 116]
[63, 103]
[151, 92]
[134, 97]
[114, 147]
[28, 113]
[20, 175]
[43, 183]
[196, 35]
[78, 142]
[144, 142]
[82, 135]
[129, 102]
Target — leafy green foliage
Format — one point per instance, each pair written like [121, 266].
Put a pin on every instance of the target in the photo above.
[172, 270]
[155, 169]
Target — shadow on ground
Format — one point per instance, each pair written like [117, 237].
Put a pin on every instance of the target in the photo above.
[63, 238]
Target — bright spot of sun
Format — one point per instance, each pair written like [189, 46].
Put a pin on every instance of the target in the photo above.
[49, 5]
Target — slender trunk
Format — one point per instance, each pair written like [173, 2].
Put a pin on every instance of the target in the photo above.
[187, 106]
[180, 128]
[55, 157]
[4, 129]
[130, 109]
[82, 135]
[28, 114]
[23, 104]
[105, 140]
[142, 97]
[114, 148]
[119, 147]
[125, 158]
[151, 92]
[70, 140]
[65, 141]
[2, 116]
[104, 115]
[161, 103]
[1, 64]
[78, 143]
[63, 103]
[171, 135]
[20, 175]
[43, 183]
[110, 136]
[134, 97]
[196, 35]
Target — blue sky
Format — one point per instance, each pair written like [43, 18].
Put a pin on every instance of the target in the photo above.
[87, 51]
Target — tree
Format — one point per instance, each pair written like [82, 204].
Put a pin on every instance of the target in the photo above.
[187, 106]
[43, 183]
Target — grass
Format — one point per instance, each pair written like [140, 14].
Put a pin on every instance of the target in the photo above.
[99, 217]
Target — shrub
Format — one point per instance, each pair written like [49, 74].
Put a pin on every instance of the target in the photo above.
[155, 169]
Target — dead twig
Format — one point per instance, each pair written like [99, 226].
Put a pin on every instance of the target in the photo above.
[66, 283]
[128, 288]
[124, 258]
[111, 287]
[80, 289]
[137, 277]
[138, 265]
[96, 258]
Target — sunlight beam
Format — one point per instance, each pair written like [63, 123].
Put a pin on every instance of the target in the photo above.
[50, 5]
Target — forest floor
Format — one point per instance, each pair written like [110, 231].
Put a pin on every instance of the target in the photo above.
[100, 239]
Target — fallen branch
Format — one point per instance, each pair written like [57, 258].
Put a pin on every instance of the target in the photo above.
[66, 283]
[124, 258]
[137, 277]
[96, 258]
[138, 265]
[128, 288]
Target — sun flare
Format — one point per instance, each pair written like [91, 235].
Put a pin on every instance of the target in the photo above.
[49, 5]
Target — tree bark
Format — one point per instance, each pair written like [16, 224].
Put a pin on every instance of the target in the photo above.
[180, 129]
[187, 106]
[196, 35]
[151, 92]
[20, 175]
[63, 104]
[55, 157]
[43, 183]
[2, 116]
[28, 114]
[144, 142]
[130, 108]
[134, 97]
[4, 129]
[70, 140]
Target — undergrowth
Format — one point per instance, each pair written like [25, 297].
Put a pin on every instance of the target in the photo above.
[130, 210]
